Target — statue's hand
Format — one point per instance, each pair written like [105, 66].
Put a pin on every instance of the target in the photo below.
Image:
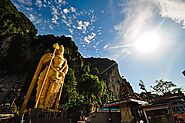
[46, 58]
[56, 46]
[61, 74]
[56, 81]
[54, 78]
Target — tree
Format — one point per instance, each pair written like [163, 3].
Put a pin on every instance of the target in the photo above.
[142, 86]
[69, 94]
[91, 86]
[162, 87]
[92, 89]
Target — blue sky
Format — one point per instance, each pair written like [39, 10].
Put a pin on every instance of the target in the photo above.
[110, 28]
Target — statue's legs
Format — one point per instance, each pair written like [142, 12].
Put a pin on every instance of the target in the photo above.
[52, 100]
[49, 94]
[43, 94]
[38, 91]
[39, 83]
[41, 101]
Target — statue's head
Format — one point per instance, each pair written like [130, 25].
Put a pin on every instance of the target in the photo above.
[60, 51]
[59, 58]
[61, 48]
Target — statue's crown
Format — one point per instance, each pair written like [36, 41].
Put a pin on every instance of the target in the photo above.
[56, 46]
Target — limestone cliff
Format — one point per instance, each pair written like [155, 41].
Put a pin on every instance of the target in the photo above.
[108, 71]
[12, 21]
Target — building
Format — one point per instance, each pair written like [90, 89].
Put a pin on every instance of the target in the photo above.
[169, 108]
[165, 109]
[130, 109]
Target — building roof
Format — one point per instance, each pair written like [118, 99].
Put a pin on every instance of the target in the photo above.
[119, 103]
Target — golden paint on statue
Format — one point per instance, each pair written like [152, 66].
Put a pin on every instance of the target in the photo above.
[50, 74]
[51, 78]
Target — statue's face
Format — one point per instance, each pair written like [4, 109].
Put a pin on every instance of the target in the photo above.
[58, 61]
[62, 48]
[60, 51]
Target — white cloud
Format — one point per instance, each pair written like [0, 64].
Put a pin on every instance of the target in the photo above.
[89, 38]
[69, 36]
[79, 25]
[17, 6]
[139, 16]
[73, 9]
[25, 2]
[38, 21]
[70, 30]
[83, 25]
[64, 17]
[54, 19]
[69, 10]
[173, 9]
[39, 3]
[28, 8]
[105, 46]
[86, 23]
[93, 18]
[51, 27]
[54, 11]
[66, 11]
[32, 17]
[62, 2]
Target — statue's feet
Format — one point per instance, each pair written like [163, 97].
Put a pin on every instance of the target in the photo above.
[41, 106]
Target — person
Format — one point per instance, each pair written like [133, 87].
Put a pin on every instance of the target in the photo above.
[51, 79]
[141, 121]
[181, 120]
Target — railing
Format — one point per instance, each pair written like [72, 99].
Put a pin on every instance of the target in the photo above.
[38, 116]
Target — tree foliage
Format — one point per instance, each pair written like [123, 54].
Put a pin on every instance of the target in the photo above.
[91, 87]
[92, 91]
[162, 87]
[14, 22]
[142, 86]
[70, 94]
[81, 94]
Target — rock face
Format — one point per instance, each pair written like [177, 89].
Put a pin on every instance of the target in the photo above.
[13, 21]
[108, 71]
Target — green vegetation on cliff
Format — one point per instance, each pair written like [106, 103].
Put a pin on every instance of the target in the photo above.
[12, 21]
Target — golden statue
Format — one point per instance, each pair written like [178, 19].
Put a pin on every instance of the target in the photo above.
[50, 80]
